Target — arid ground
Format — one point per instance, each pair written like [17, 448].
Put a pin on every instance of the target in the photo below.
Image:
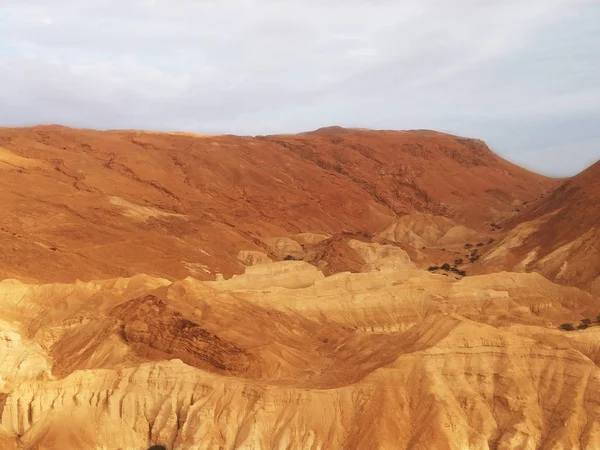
[337, 289]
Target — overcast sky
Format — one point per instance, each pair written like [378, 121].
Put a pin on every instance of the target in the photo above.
[524, 75]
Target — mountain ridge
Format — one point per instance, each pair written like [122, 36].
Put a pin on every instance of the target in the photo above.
[80, 196]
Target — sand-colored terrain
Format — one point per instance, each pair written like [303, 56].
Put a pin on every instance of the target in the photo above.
[340, 289]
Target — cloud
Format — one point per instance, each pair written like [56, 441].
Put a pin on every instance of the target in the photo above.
[490, 69]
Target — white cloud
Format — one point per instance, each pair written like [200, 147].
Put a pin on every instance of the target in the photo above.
[486, 68]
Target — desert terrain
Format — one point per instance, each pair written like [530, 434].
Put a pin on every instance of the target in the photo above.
[336, 289]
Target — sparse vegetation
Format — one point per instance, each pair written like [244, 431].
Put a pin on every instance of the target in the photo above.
[480, 244]
[446, 267]
[468, 246]
[491, 241]
[459, 261]
[585, 323]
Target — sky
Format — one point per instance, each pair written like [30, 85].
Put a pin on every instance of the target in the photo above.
[522, 75]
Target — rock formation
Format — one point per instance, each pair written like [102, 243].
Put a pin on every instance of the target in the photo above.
[340, 289]
[559, 235]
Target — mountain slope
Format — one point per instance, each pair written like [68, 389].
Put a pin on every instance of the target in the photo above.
[558, 236]
[87, 204]
[365, 302]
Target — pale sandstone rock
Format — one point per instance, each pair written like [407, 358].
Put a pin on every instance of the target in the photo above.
[252, 258]
[285, 247]
[442, 391]
[283, 357]
[379, 257]
[311, 238]
[425, 230]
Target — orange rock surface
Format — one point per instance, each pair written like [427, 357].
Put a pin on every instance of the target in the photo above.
[340, 289]
[559, 235]
[88, 205]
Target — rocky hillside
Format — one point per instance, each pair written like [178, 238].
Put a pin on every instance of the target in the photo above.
[87, 204]
[339, 289]
[558, 236]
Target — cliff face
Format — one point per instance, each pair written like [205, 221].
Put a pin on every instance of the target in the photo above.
[390, 358]
[445, 393]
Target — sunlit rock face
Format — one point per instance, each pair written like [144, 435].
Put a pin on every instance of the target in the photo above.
[341, 289]
[284, 356]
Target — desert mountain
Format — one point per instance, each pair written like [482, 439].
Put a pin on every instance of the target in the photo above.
[339, 289]
[558, 236]
[89, 205]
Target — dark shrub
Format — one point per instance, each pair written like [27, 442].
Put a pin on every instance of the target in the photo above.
[446, 266]
[491, 241]
[582, 326]
[468, 246]
[158, 447]
[462, 273]
[567, 327]
[480, 244]
[458, 262]
[432, 268]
